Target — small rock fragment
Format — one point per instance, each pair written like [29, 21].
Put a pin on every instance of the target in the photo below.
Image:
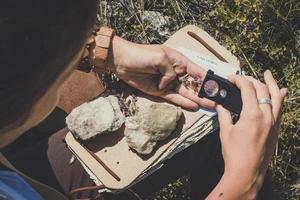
[119, 116]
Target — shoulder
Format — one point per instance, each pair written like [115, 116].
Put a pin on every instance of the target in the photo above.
[13, 186]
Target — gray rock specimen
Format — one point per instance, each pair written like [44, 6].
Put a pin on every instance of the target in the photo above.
[96, 117]
[153, 122]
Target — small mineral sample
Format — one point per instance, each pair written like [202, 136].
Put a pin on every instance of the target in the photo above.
[152, 122]
[119, 117]
[96, 117]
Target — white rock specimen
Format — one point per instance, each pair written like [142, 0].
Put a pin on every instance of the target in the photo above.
[96, 117]
[153, 122]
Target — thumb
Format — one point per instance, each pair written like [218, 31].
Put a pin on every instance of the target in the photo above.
[168, 75]
[195, 70]
[224, 117]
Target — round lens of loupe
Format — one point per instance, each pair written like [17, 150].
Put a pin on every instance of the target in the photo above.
[211, 88]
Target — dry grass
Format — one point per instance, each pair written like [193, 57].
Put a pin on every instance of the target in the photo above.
[265, 34]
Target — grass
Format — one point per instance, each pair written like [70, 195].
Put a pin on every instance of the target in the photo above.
[264, 34]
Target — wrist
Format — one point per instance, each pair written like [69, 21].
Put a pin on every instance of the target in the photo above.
[101, 49]
[116, 53]
[246, 183]
[127, 55]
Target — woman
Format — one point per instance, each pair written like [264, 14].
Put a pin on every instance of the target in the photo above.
[41, 43]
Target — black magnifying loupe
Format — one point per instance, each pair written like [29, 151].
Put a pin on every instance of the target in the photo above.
[221, 91]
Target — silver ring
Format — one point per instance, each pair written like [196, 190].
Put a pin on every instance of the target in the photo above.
[264, 101]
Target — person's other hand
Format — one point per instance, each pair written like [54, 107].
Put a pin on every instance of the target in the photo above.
[154, 69]
[248, 145]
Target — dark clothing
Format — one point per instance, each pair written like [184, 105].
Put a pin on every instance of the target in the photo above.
[45, 157]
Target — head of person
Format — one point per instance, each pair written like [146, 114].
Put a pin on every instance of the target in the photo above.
[41, 42]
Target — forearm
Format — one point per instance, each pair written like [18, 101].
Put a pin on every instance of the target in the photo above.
[115, 57]
[237, 186]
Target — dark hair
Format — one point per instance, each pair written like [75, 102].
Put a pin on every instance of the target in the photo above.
[38, 38]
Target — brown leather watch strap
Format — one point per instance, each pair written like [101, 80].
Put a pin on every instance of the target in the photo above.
[103, 40]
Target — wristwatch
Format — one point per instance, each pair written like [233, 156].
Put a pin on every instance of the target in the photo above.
[99, 48]
[103, 43]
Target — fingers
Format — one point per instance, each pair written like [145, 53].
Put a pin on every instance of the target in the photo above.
[183, 65]
[195, 70]
[224, 117]
[283, 92]
[277, 95]
[169, 95]
[192, 95]
[180, 100]
[248, 92]
[168, 76]
[271, 81]
[262, 91]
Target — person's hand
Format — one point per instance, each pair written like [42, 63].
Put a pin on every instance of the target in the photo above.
[153, 69]
[248, 145]
[250, 142]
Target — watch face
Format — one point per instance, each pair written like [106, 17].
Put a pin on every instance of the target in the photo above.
[211, 88]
